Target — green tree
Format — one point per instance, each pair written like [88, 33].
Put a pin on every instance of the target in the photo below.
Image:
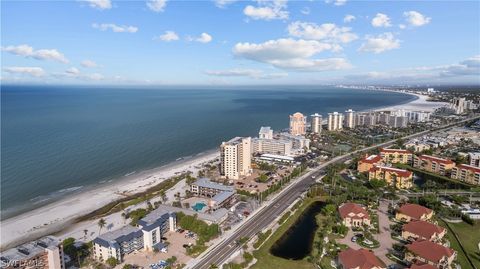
[112, 262]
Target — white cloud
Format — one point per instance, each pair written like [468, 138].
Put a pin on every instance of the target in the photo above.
[251, 73]
[336, 2]
[31, 71]
[223, 3]
[168, 36]
[291, 54]
[305, 11]
[203, 38]
[328, 32]
[381, 20]
[380, 43]
[402, 26]
[99, 4]
[156, 5]
[42, 54]
[415, 18]
[88, 63]
[115, 28]
[267, 10]
[348, 18]
[72, 71]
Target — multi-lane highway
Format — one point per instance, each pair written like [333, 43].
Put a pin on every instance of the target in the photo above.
[278, 204]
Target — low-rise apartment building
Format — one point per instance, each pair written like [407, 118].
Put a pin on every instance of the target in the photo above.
[359, 259]
[147, 236]
[272, 146]
[400, 178]
[466, 173]
[44, 253]
[354, 215]
[422, 230]
[409, 212]
[365, 164]
[430, 253]
[474, 158]
[433, 164]
[219, 194]
[396, 155]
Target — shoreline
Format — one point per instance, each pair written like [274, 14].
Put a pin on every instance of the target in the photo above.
[59, 217]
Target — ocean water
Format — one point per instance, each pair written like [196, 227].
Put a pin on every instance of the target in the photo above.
[59, 140]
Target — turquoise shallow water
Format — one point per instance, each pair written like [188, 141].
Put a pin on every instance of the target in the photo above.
[59, 140]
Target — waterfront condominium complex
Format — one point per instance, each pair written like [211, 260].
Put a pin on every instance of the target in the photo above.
[298, 124]
[335, 121]
[44, 253]
[265, 133]
[433, 164]
[467, 173]
[147, 236]
[365, 119]
[349, 119]
[272, 146]
[400, 178]
[316, 123]
[235, 157]
[396, 155]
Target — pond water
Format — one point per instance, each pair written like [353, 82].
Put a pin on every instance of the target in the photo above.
[296, 243]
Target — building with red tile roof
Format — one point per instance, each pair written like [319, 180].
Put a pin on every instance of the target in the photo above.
[402, 179]
[424, 251]
[409, 212]
[359, 259]
[366, 163]
[396, 155]
[433, 164]
[467, 173]
[353, 215]
[419, 229]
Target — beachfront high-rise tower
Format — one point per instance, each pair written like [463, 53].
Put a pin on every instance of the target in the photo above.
[298, 124]
[349, 119]
[265, 133]
[236, 158]
[316, 123]
[335, 121]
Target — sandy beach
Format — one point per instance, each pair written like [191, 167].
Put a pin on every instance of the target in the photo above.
[57, 218]
[419, 104]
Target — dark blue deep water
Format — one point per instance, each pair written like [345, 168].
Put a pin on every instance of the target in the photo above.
[55, 140]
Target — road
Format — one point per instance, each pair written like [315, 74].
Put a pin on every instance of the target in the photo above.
[279, 203]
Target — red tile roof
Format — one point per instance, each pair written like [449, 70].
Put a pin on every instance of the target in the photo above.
[422, 266]
[423, 228]
[356, 209]
[429, 250]
[371, 159]
[362, 259]
[436, 159]
[469, 167]
[395, 150]
[414, 211]
[400, 172]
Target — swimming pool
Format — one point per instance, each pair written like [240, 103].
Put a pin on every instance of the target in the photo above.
[199, 206]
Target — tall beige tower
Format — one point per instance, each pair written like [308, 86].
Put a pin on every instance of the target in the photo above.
[335, 121]
[316, 123]
[298, 124]
[349, 119]
[236, 158]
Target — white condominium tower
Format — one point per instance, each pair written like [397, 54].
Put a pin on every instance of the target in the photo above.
[316, 123]
[265, 133]
[235, 158]
[335, 121]
[298, 124]
[349, 119]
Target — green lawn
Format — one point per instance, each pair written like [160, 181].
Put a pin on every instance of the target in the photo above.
[267, 260]
[469, 237]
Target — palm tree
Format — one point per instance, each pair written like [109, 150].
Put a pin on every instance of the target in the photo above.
[85, 234]
[101, 223]
[213, 266]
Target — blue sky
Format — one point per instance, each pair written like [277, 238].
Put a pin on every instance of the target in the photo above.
[240, 42]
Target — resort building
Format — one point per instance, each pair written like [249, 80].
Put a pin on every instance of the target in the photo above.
[433, 164]
[458, 104]
[316, 123]
[354, 215]
[272, 146]
[409, 212]
[400, 178]
[417, 116]
[300, 144]
[335, 121]
[398, 121]
[235, 158]
[359, 259]
[147, 236]
[265, 133]
[396, 155]
[298, 124]
[368, 162]
[474, 158]
[431, 253]
[467, 173]
[219, 194]
[422, 230]
[349, 119]
[44, 253]
[365, 119]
